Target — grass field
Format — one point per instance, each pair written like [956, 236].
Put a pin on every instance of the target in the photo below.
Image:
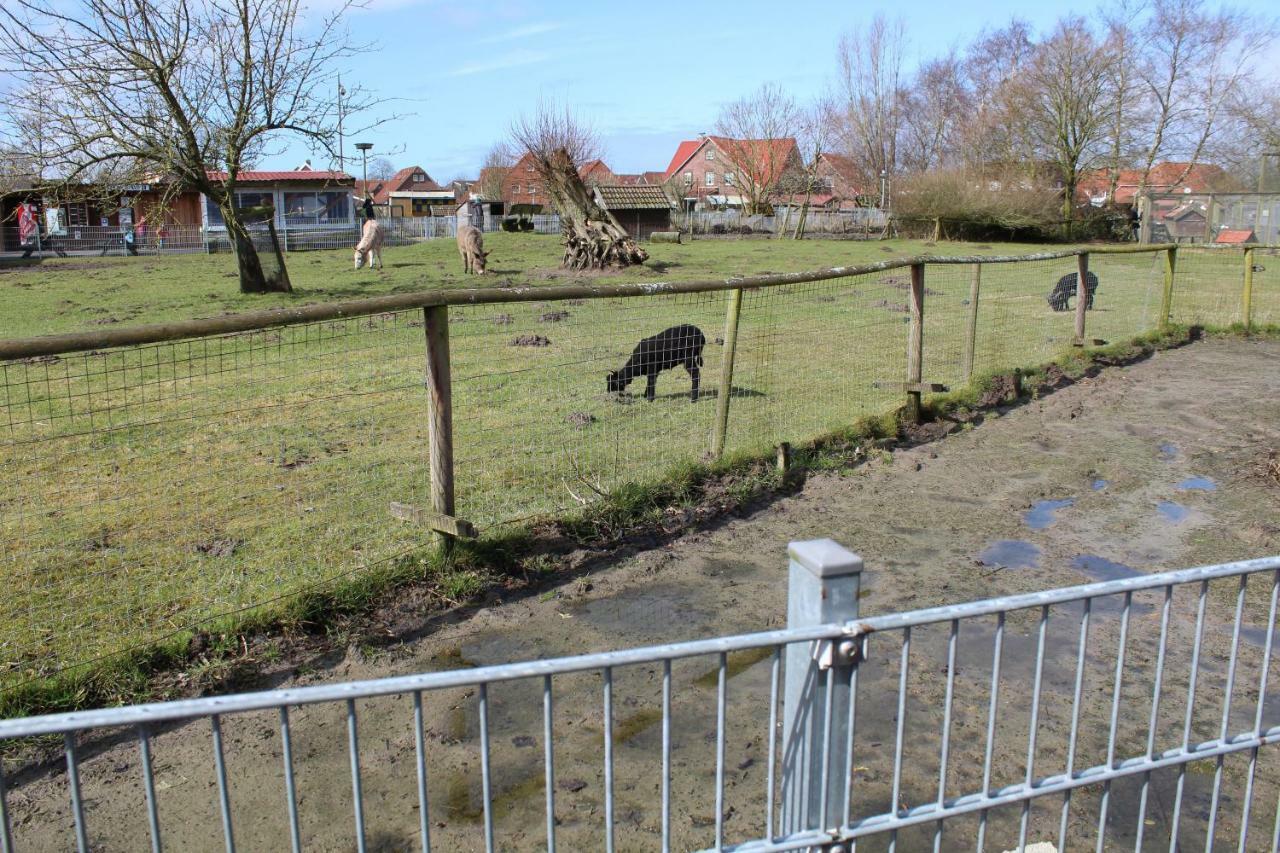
[150, 489]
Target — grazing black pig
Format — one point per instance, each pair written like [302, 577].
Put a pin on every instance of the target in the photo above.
[1065, 290]
[678, 345]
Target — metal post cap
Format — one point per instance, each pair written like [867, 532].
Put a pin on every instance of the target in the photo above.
[825, 558]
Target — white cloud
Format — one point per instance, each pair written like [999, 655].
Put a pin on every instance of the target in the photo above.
[522, 32]
[511, 60]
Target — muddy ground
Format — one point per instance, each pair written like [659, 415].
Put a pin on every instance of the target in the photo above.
[1160, 465]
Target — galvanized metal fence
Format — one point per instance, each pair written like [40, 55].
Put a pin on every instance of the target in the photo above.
[1137, 713]
[321, 457]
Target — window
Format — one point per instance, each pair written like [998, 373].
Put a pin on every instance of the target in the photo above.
[244, 198]
[711, 154]
[711, 179]
[688, 179]
[528, 168]
[515, 189]
[728, 179]
[317, 207]
[532, 189]
[419, 178]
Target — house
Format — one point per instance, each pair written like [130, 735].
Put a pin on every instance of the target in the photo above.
[1165, 178]
[410, 192]
[653, 179]
[301, 197]
[596, 173]
[641, 210]
[522, 186]
[717, 171]
[838, 177]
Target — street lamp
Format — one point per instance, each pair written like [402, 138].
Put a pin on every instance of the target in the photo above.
[884, 177]
[364, 154]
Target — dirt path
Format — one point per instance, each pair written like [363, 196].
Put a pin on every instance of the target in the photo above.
[1159, 462]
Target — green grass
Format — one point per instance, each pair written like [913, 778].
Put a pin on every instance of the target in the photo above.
[245, 479]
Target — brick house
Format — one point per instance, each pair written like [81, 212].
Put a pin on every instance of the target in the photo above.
[521, 185]
[837, 176]
[716, 171]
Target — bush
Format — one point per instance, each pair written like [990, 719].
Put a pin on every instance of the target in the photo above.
[510, 223]
[959, 204]
[526, 224]
[746, 229]
[717, 228]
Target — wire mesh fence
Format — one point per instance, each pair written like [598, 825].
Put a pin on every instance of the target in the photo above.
[150, 489]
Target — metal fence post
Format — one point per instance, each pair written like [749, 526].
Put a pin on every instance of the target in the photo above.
[971, 326]
[822, 589]
[1082, 295]
[915, 344]
[1247, 297]
[726, 372]
[440, 411]
[1166, 300]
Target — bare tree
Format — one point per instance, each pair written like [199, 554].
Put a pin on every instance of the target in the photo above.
[993, 138]
[382, 169]
[869, 80]
[1125, 45]
[936, 105]
[1199, 62]
[758, 136]
[1062, 100]
[558, 143]
[189, 92]
[497, 165]
[814, 137]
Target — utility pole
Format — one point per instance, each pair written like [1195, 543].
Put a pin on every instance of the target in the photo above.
[342, 160]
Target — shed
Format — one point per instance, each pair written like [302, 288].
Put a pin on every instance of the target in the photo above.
[1186, 223]
[641, 210]
[1236, 236]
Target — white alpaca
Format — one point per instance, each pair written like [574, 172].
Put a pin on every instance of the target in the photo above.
[370, 246]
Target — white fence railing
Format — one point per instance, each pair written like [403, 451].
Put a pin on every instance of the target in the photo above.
[859, 728]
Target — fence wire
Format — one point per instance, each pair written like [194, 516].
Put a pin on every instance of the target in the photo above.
[150, 489]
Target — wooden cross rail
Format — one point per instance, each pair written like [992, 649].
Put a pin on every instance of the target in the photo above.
[912, 387]
[433, 521]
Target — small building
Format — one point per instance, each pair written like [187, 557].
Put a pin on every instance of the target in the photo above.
[1186, 223]
[301, 197]
[640, 210]
[1236, 237]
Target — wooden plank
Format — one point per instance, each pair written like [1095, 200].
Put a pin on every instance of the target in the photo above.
[732, 314]
[1082, 292]
[1246, 298]
[1166, 298]
[971, 325]
[434, 521]
[912, 387]
[915, 342]
[439, 408]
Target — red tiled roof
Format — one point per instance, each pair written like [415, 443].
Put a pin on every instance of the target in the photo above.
[1235, 236]
[1199, 178]
[684, 153]
[308, 175]
[654, 177]
[630, 180]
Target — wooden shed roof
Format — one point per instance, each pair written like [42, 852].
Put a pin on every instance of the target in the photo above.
[632, 198]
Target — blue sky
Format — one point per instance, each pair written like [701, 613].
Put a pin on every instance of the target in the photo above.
[645, 74]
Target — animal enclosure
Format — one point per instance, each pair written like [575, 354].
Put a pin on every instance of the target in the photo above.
[158, 486]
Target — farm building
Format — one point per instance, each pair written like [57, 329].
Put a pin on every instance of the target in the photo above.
[641, 210]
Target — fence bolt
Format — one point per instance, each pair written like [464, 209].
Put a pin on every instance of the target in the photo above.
[440, 411]
[1247, 297]
[1166, 299]
[971, 326]
[726, 372]
[1082, 295]
[823, 584]
[915, 343]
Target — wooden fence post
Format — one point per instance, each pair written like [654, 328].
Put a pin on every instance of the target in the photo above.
[1166, 299]
[971, 327]
[915, 344]
[726, 372]
[1082, 295]
[1247, 296]
[439, 412]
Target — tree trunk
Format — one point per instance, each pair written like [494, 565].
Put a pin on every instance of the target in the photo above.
[253, 279]
[593, 239]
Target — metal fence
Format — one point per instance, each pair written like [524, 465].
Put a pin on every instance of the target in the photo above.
[859, 222]
[160, 480]
[1136, 713]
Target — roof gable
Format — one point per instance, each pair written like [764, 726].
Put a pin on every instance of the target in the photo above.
[684, 153]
